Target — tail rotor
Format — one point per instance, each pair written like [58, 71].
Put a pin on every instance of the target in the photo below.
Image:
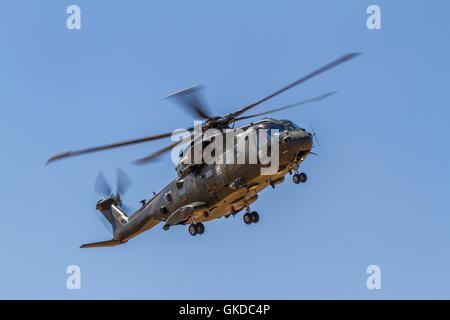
[103, 188]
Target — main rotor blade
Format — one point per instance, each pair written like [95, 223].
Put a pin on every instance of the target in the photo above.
[333, 64]
[123, 182]
[102, 186]
[191, 99]
[315, 99]
[108, 146]
[161, 151]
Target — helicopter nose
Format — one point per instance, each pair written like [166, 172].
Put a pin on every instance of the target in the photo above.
[310, 140]
[301, 139]
[307, 141]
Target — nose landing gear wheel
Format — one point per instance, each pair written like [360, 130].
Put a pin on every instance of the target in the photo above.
[247, 218]
[299, 177]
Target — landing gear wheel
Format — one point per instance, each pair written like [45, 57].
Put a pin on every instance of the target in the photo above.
[247, 218]
[255, 216]
[200, 228]
[193, 229]
[166, 227]
[303, 177]
[296, 178]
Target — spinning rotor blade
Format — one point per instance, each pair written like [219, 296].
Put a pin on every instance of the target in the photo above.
[102, 186]
[109, 146]
[106, 224]
[314, 134]
[315, 99]
[123, 182]
[333, 64]
[162, 151]
[127, 209]
[191, 100]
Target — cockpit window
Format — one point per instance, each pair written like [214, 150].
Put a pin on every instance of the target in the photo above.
[270, 126]
[293, 125]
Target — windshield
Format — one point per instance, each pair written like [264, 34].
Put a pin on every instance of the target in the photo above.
[269, 126]
[293, 125]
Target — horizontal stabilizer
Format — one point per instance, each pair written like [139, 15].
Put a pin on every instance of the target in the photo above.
[109, 243]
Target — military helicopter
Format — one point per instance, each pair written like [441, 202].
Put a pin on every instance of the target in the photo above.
[205, 191]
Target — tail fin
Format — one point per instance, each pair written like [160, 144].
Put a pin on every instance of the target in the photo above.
[116, 217]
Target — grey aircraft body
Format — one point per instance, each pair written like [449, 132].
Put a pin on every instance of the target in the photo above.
[205, 191]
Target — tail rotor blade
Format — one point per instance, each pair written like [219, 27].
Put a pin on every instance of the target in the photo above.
[123, 182]
[127, 209]
[102, 186]
[106, 224]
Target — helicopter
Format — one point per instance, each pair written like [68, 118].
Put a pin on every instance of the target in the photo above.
[204, 191]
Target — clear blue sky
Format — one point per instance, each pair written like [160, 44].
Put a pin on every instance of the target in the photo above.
[377, 194]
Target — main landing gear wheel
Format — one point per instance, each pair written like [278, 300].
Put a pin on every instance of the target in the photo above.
[247, 218]
[197, 228]
[200, 228]
[299, 177]
[303, 177]
[193, 229]
[255, 216]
